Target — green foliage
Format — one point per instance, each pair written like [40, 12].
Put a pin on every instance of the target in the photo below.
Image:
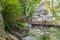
[57, 18]
[31, 5]
[57, 10]
[44, 37]
[56, 34]
[24, 27]
[11, 10]
[57, 6]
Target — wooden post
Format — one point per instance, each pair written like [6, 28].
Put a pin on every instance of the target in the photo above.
[51, 5]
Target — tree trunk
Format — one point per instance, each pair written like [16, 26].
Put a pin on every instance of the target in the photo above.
[51, 5]
[2, 31]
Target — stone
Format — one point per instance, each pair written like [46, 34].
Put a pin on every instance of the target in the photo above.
[29, 38]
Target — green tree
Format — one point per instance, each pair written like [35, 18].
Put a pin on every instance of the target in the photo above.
[11, 10]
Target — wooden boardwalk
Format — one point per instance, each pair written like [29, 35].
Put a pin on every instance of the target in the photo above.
[26, 19]
[45, 23]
